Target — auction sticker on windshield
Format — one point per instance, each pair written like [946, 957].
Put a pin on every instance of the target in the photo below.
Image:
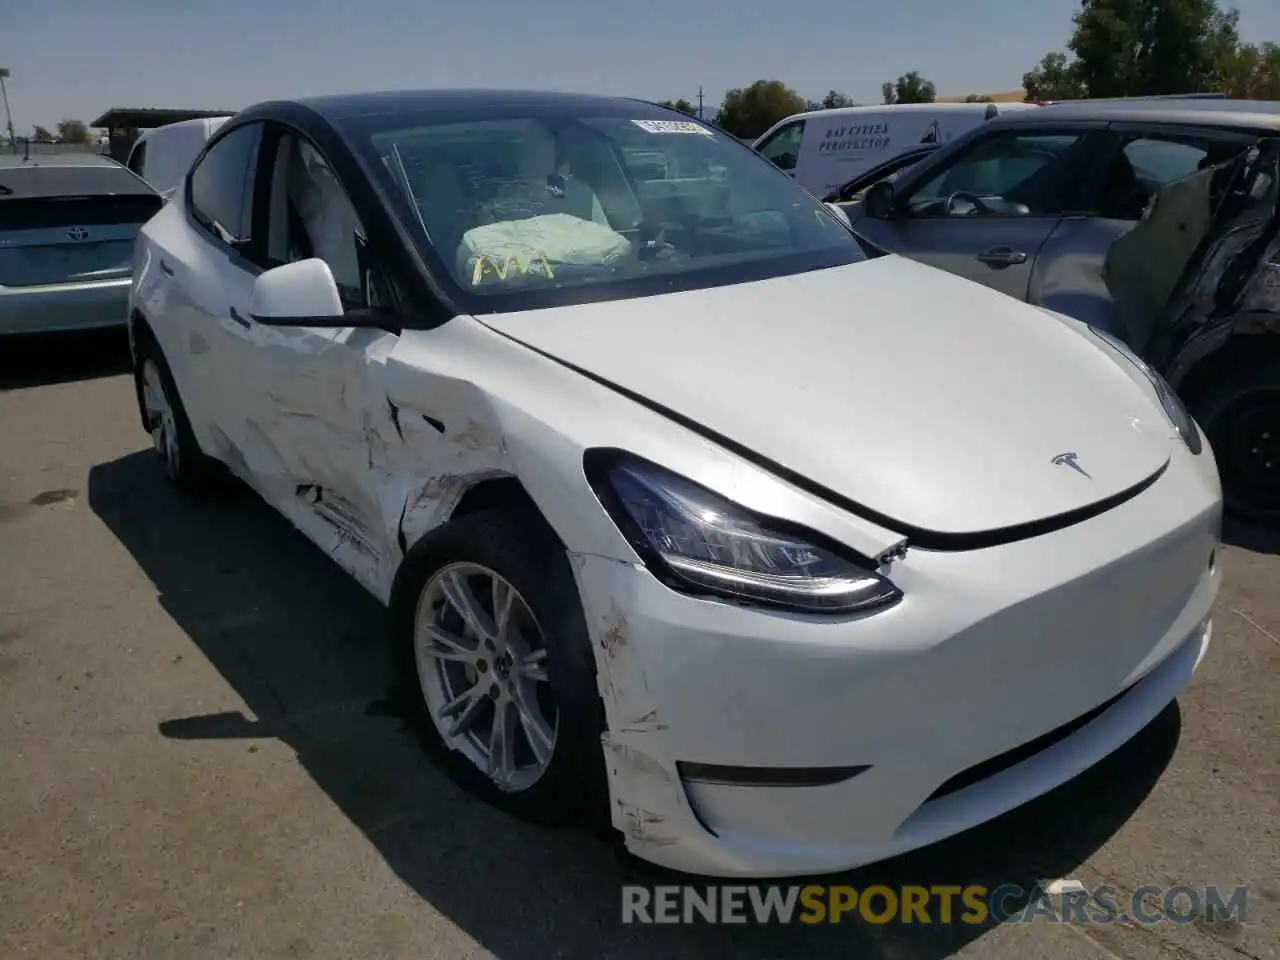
[672, 126]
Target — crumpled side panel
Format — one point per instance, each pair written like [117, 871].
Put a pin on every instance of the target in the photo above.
[431, 439]
[1236, 275]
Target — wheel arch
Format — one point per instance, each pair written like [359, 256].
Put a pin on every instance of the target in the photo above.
[1219, 390]
[501, 492]
[139, 332]
[1239, 352]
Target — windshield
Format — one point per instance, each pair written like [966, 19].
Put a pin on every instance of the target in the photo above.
[537, 208]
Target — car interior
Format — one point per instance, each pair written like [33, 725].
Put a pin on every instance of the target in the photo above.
[670, 204]
[1018, 178]
[311, 216]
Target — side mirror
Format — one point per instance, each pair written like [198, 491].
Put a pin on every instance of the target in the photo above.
[879, 200]
[304, 294]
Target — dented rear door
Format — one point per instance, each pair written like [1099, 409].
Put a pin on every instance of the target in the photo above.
[1144, 216]
[1234, 281]
[314, 406]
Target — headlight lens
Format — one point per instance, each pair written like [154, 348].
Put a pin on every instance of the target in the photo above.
[1173, 407]
[698, 541]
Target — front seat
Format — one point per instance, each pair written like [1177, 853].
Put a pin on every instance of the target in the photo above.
[1124, 196]
[327, 218]
[544, 184]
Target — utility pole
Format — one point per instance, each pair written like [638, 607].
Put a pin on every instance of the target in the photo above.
[699, 103]
[4, 75]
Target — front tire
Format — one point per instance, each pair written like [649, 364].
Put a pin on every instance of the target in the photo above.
[1240, 414]
[493, 666]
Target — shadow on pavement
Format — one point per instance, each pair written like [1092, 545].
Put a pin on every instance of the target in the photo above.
[302, 645]
[1253, 537]
[34, 361]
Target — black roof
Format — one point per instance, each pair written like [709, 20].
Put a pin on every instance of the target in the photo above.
[67, 176]
[352, 105]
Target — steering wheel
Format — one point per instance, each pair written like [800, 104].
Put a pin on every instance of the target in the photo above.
[975, 202]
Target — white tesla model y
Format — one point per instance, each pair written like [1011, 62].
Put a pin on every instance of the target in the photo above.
[689, 511]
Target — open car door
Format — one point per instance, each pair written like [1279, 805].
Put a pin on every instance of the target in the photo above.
[1200, 261]
[1218, 233]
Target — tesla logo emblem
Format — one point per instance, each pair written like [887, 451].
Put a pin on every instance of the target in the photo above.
[1070, 460]
[78, 233]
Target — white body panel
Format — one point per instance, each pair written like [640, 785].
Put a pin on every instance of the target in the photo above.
[839, 144]
[163, 156]
[926, 399]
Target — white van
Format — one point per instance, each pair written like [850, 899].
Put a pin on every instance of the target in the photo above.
[162, 156]
[824, 149]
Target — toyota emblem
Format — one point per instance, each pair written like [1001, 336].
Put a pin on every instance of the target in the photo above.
[78, 233]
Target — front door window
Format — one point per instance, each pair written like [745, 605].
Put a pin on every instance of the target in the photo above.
[1006, 175]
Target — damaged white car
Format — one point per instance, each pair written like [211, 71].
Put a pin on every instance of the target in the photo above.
[690, 514]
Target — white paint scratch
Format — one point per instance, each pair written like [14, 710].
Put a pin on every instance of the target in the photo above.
[1256, 625]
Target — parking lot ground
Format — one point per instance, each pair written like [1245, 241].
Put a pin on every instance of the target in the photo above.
[197, 757]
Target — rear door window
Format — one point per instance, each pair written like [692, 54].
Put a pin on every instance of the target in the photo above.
[1145, 163]
[221, 185]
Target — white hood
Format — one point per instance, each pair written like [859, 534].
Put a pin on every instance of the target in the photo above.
[931, 400]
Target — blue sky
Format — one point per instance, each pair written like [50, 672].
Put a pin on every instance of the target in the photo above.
[76, 58]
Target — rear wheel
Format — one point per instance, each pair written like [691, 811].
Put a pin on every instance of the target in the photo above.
[175, 444]
[1240, 414]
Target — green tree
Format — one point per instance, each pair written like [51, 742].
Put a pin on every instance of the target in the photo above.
[835, 99]
[1054, 78]
[1127, 48]
[41, 133]
[1142, 47]
[1251, 72]
[978, 98]
[750, 111]
[909, 88]
[73, 131]
[683, 105]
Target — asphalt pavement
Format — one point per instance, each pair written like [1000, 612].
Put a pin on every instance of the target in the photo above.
[198, 757]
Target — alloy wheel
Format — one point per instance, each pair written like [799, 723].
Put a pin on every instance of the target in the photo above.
[481, 660]
[1252, 452]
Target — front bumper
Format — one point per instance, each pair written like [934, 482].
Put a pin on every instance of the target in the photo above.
[60, 307]
[988, 651]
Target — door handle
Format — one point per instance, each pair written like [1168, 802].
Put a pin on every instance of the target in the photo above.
[1002, 257]
[166, 269]
[235, 315]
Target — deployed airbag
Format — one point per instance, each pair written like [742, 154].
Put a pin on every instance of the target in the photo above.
[537, 246]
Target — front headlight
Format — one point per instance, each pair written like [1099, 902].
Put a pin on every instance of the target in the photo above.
[700, 542]
[1173, 407]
